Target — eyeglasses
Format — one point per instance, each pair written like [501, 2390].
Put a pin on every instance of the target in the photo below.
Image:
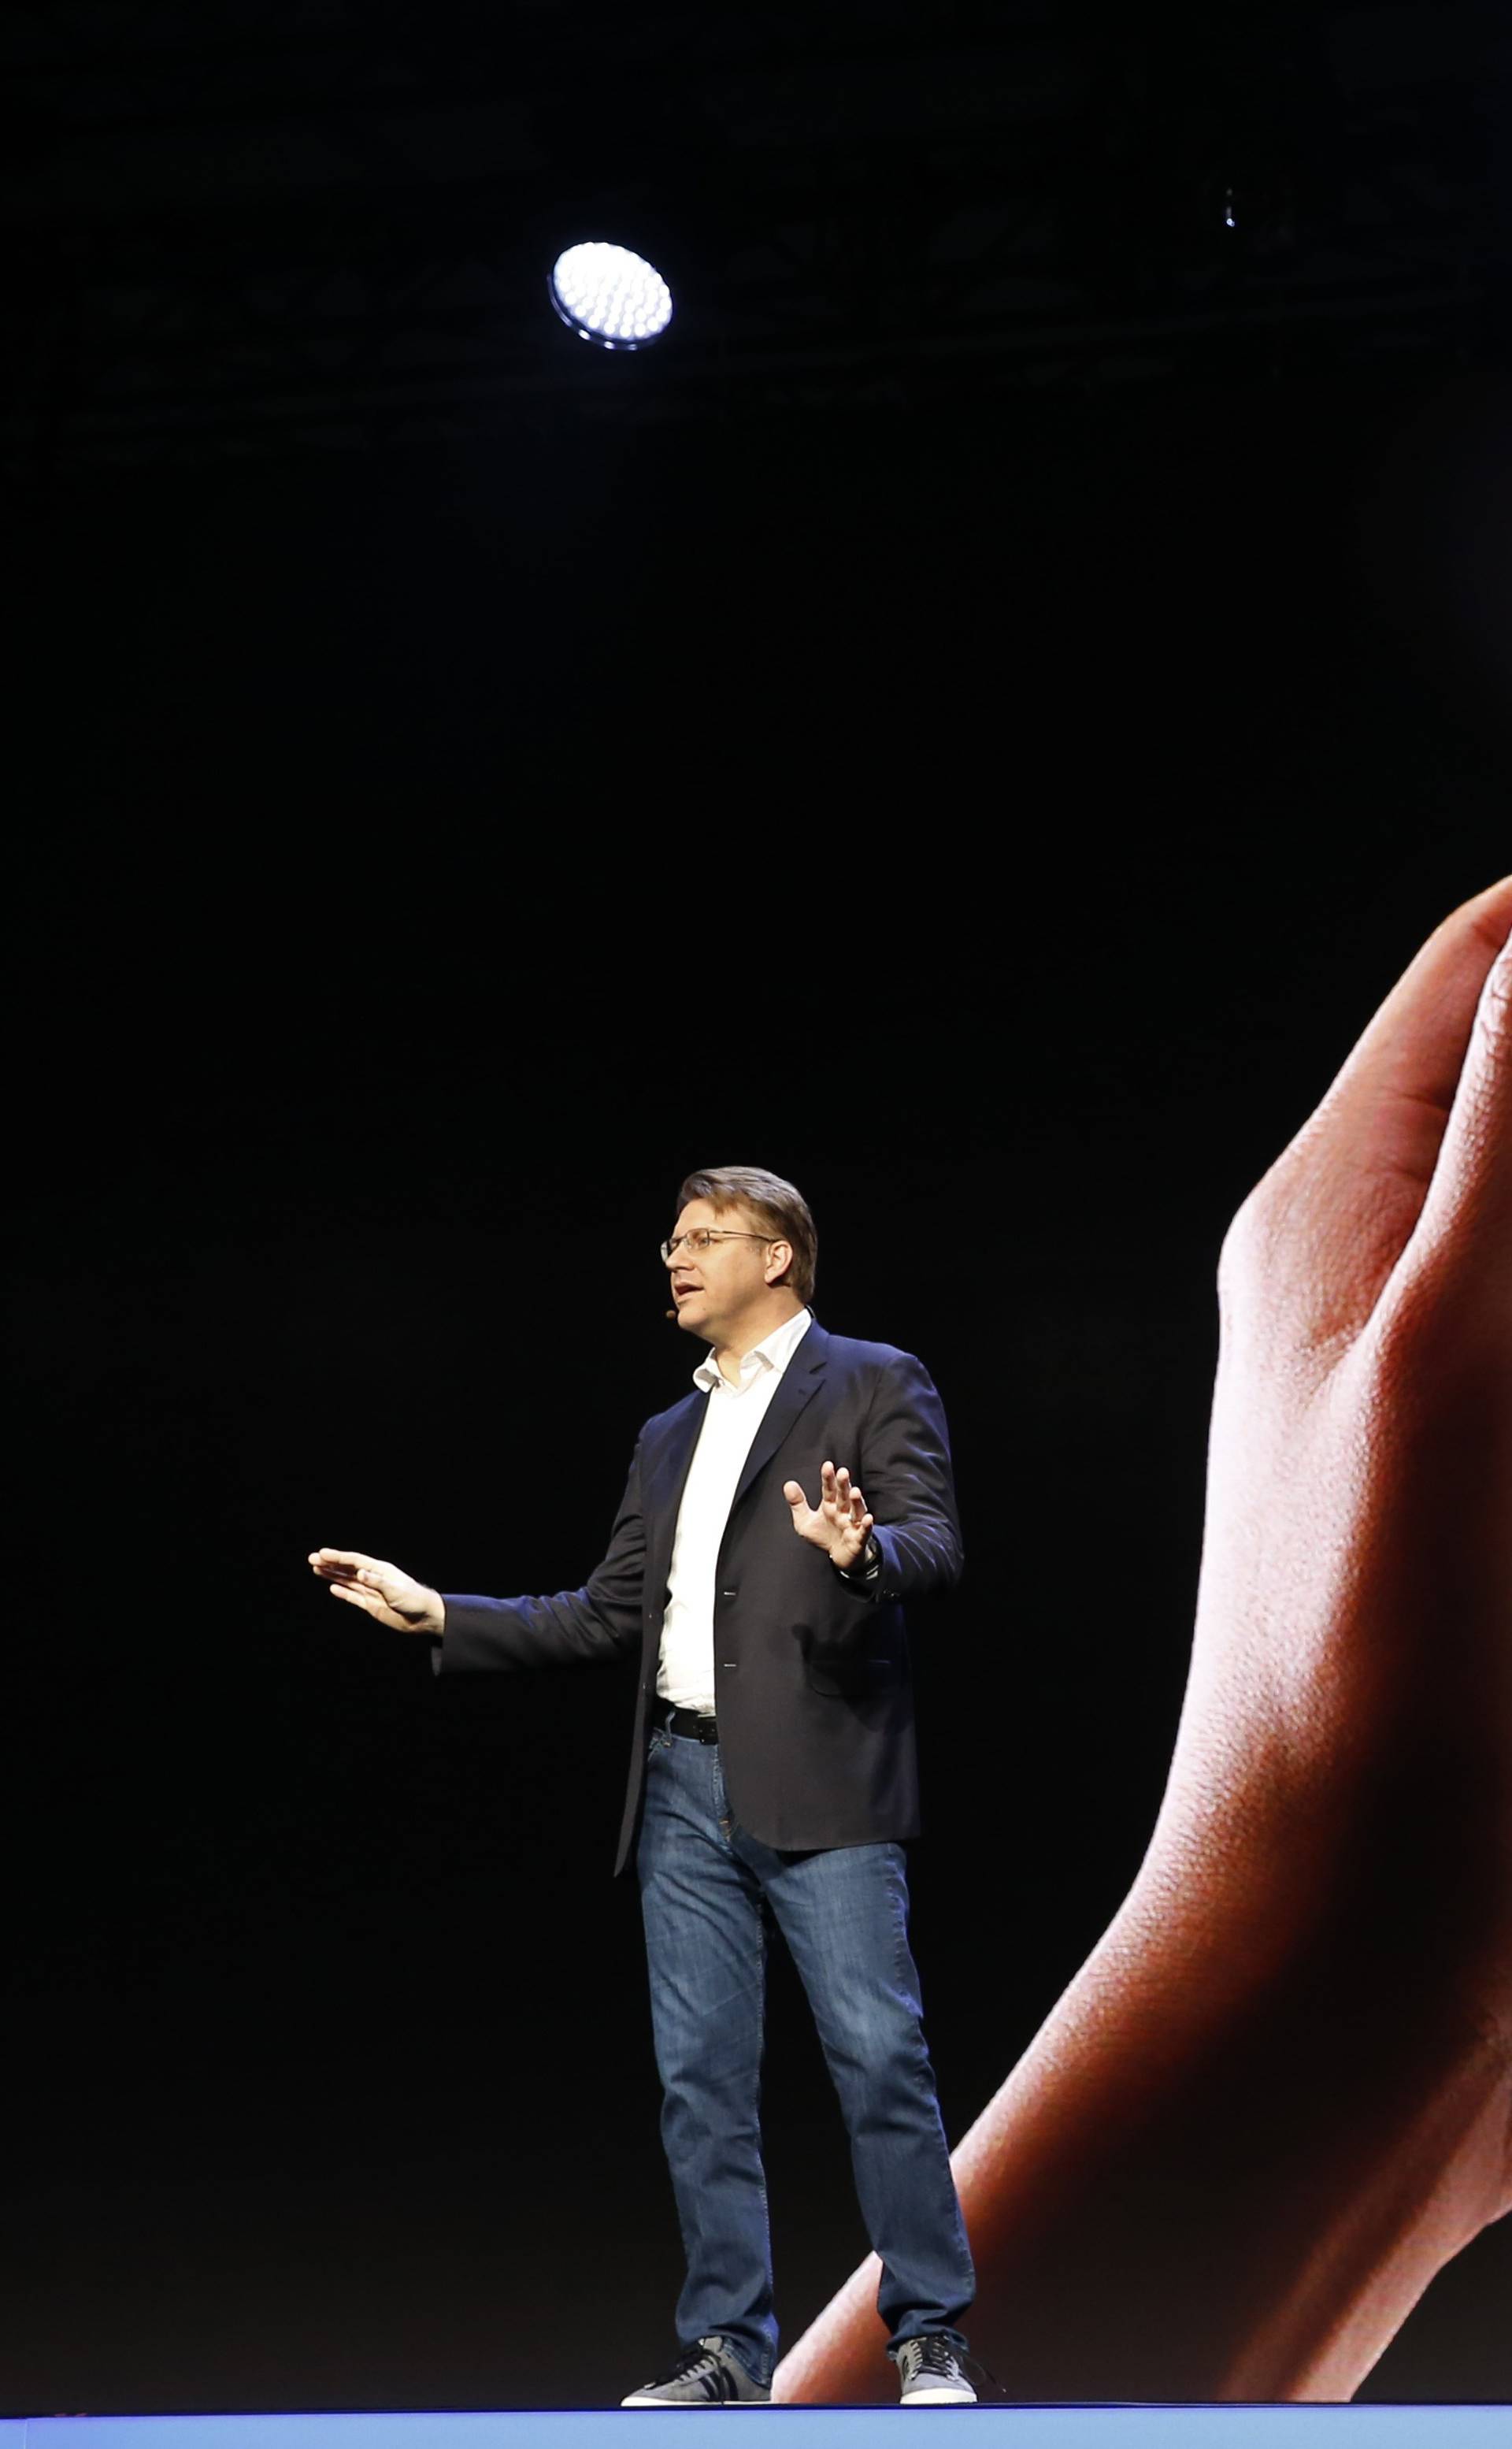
[700, 1238]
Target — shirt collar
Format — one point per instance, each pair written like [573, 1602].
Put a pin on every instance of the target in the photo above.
[774, 1352]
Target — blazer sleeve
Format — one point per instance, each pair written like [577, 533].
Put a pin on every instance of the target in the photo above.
[574, 1627]
[910, 1488]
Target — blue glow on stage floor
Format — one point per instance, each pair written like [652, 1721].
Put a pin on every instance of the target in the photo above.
[803, 2427]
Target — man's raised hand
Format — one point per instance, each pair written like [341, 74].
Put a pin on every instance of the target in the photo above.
[380, 1590]
[841, 1526]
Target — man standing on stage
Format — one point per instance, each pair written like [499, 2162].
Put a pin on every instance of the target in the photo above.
[773, 1761]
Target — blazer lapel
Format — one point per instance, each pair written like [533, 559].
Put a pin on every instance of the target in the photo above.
[662, 1493]
[800, 1381]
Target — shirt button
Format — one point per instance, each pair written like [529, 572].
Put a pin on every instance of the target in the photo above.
[727, 1594]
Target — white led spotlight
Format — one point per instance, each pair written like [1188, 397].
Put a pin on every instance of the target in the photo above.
[605, 294]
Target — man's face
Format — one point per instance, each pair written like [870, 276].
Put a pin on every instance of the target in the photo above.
[714, 1288]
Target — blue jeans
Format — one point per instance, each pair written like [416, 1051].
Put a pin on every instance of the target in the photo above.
[844, 1915]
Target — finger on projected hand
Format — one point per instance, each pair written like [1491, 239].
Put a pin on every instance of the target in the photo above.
[1389, 1107]
[1468, 1205]
[1318, 1240]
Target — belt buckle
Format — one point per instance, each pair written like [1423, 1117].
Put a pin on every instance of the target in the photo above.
[698, 1724]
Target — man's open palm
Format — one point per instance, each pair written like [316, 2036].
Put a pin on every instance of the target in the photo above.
[380, 1590]
[840, 1525]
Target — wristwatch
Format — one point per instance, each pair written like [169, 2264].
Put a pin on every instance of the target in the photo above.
[867, 1567]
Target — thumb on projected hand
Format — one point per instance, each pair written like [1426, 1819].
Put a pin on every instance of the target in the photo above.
[1410, 1151]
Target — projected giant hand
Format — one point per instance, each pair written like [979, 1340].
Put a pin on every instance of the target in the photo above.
[1277, 2098]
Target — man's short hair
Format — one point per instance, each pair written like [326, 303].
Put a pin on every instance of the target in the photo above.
[773, 1202]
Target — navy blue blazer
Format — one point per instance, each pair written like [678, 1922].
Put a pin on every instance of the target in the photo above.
[812, 1685]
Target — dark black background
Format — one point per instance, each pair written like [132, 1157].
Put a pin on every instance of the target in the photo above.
[1000, 819]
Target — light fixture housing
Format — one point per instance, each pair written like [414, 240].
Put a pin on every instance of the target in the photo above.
[607, 293]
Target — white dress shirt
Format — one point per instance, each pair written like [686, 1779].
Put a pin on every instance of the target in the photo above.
[734, 1412]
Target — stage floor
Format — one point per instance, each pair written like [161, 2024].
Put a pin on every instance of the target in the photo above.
[803, 2427]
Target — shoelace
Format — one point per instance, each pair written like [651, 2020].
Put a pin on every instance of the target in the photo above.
[987, 2372]
[934, 2356]
[702, 2364]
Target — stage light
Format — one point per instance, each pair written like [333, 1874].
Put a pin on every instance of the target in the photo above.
[605, 294]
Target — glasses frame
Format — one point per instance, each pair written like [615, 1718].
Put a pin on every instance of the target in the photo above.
[716, 1233]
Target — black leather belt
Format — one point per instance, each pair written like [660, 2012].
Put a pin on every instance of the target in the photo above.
[699, 1723]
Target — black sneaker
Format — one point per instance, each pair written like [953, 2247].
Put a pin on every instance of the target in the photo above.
[708, 2375]
[930, 2373]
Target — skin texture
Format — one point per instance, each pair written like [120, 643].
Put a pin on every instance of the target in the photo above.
[1277, 2098]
